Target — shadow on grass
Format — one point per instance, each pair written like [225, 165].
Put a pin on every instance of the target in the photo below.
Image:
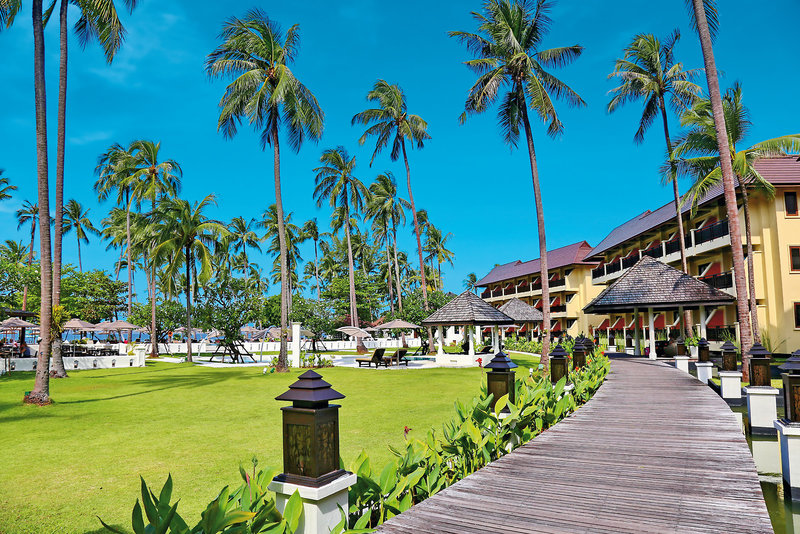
[102, 530]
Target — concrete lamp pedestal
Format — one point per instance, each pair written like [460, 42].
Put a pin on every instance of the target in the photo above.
[704, 370]
[682, 363]
[731, 384]
[762, 409]
[320, 505]
[789, 439]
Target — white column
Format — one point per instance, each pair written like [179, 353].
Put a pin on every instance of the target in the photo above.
[295, 344]
[471, 336]
[440, 332]
[495, 339]
[637, 334]
[703, 320]
[652, 333]
[321, 506]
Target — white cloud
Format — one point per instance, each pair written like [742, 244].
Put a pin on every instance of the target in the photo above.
[90, 137]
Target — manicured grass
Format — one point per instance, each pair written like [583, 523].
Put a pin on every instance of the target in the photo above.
[63, 464]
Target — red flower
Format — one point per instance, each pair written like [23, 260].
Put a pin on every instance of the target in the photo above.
[480, 362]
[406, 430]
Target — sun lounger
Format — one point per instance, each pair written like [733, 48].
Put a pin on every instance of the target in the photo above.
[398, 358]
[377, 359]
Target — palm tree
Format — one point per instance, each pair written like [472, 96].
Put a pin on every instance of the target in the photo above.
[8, 11]
[5, 187]
[647, 71]
[257, 54]
[508, 54]
[293, 237]
[704, 18]
[243, 237]
[470, 281]
[76, 218]
[385, 203]
[390, 121]
[188, 236]
[98, 19]
[436, 247]
[14, 251]
[28, 214]
[311, 231]
[336, 184]
[701, 141]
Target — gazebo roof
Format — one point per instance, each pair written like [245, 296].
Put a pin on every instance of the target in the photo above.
[521, 312]
[653, 284]
[467, 308]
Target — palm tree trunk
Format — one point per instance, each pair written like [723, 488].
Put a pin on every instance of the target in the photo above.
[316, 269]
[416, 227]
[537, 197]
[396, 267]
[188, 256]
[389, 273]
[282, 356]
[128, 251]
[727, 183]
[80, 262]
[687, 315]
[41, 389]
[351, 268]
[751, 276]
[30, 262]
[119, 263]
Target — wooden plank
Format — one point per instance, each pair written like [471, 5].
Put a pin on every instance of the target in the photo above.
[654, 451]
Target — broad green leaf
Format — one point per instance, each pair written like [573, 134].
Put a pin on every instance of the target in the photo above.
[293, 511]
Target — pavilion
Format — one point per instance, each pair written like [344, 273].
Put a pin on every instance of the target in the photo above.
[656, 287]
[470, 311]
[523, 314]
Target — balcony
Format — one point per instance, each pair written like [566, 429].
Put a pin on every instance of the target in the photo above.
[655, 252]
[486, 293]
[709, 233]
[721, 333]
[719, 281]
[561, 308]
[558, 283]
[629, 262]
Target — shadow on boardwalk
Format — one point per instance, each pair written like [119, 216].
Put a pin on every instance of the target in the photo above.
[655, 451]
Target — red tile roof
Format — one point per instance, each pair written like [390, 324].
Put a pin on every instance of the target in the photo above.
[784, 170]
[560, 257]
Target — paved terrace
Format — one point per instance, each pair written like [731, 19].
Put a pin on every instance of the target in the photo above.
[654, 451]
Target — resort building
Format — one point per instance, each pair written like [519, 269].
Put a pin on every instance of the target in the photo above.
[571, 288]
[578, 272]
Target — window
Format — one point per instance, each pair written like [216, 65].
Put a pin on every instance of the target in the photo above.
[790, 201]
[797, 315]
[794, 254]
[570, 297]
[571, 323]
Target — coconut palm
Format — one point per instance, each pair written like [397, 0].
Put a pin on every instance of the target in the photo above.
[391, 122]
[336, 184]
[188, 236]
[436, 248]
[470, 281]
[310, 230]
[509, 57]
[257, 55]
[8, 11]
[242, 237]
[698, 148]
[5, 187]
[28, 214]
[703, 14]
[14, 251]
[386, 205]
[294, 236]
[648, 71]
[76, 218]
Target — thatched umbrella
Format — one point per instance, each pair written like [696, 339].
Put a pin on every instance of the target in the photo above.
[359, 334]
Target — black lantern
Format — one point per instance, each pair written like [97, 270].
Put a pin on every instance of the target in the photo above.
[500, 380]
[310, 432]
[728, 356]
[629, 341]
[760, 374]
[791, 388]
[559, 366]
[680, 346]
[702, 350]
[579, 353]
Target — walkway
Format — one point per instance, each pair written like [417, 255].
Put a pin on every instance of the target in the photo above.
[654, 451]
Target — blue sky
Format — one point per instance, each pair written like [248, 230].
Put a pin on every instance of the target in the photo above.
[593, 177]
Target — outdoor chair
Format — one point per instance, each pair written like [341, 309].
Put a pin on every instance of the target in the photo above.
[377, 359]
[398, 358]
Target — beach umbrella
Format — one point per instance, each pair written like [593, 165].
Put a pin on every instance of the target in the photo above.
[77, 324]
[399, 323]
[16, 323]
[354, 331]
[122, 325]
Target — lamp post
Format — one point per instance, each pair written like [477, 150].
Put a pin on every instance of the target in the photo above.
[559, 365]
[500, 380]
[789, 427]
[703, 350]
[730, 377]
[681, 359]
[791, 388]
[579, 353]
[311, 454]
[761, 396]
[728, 356]
[704, 363]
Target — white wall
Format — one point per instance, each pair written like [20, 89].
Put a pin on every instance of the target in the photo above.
[83, 362]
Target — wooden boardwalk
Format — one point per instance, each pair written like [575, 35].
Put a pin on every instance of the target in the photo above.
[654, 451]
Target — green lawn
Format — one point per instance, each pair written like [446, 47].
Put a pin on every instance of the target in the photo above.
[63, 464]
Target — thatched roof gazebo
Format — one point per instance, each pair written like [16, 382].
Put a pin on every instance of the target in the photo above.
[467, 310]
[655, 286]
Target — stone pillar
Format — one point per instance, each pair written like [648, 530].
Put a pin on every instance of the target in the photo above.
[789, 439]
[704, 371]
[495, 339]
[320, 505]
[703, 320]
[294, 358]
[652, 333]
[471, 335]
[731, 385]
[762, 409]
[440, 348]
[682, 363]
[637, 339]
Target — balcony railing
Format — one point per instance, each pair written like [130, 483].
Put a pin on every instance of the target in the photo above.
[497, 292]
[655, 252]
[719, 281]
[558, 309]
[714, 231]
[486, 293]
[627, 263]
[721, 333]
[599, 271]
[613, 267]
[558, 283]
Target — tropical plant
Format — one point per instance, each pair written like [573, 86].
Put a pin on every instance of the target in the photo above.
[76, 218]
[28, 214]
[311, 231]
[242, 237]
[257, 54]
[470, 281]
[188, 236]
[293, 236]
[648, 71]
[335, 183]
[699, 157]
[436, 248]
[509, 55]
[391, 122]
[703, 14]
[5, 187]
